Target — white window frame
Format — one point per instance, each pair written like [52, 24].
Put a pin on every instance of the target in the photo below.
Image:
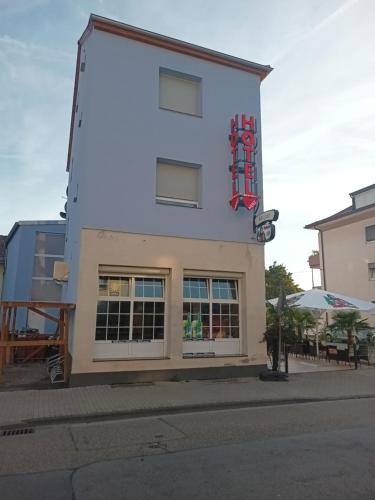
[371, 271]
[214, 346]
[131, 299]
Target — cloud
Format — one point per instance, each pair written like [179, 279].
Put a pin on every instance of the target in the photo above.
[9, 45]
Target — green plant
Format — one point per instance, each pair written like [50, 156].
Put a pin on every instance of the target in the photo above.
[349, 322]
[278, 321]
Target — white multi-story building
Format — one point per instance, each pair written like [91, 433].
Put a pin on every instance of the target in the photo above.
[167, 278]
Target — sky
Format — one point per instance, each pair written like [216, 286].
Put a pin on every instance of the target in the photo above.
[318, 105]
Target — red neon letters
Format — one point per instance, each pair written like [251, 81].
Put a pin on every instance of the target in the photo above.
[243, 145]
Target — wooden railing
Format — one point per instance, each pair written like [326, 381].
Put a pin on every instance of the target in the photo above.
[9, 338]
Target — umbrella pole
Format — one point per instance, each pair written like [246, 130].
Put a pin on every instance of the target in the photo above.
[279, 354]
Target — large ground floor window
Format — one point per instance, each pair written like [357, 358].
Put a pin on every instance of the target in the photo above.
[130, 309]
[211, 309]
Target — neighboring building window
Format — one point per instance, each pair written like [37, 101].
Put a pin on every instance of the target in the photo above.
[177, 183]
[371, 271]
[130, 309]
[370, 233]
[49, 248]
[211, 308]
[180, 92]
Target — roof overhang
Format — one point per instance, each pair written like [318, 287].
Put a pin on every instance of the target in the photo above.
[343, 218]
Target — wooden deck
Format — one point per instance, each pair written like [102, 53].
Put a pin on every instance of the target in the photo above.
[10, 339]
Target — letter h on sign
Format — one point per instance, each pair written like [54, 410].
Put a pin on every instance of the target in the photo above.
[243, 162]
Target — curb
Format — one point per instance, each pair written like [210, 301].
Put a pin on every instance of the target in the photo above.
[154, 412]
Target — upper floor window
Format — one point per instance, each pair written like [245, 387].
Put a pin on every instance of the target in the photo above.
[49, 248]
[370, 233]
[177, 183]
[371, 271]
[180, 92]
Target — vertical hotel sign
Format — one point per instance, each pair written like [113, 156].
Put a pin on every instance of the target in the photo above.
[243, 145]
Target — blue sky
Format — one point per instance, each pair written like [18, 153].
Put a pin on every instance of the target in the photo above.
[318, 105]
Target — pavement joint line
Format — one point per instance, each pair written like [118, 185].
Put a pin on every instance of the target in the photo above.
[156, 412]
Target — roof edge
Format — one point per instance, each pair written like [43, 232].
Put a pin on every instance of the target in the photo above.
[362, 190]
[339, 215]
[139, 34]
[131, 32]
[19, 223]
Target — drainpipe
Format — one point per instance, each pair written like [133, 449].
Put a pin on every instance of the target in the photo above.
[324, 284]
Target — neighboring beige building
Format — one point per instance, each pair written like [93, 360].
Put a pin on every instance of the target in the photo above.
[347, 247]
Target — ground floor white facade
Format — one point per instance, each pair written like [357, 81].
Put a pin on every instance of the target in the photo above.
[154, 307]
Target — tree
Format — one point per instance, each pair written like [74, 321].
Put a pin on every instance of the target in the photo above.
[275, 319]
[276, 276]
[349, 322]
[303, 320]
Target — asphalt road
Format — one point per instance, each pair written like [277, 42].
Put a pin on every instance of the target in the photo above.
[308, 451]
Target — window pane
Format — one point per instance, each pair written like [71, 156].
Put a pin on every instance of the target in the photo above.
[124, 307]
[46, 290]
[101, 320]
[177, 182]
[370, 233]
[159, 307]
[148, 320]
[159, 320]
[124, 320]
[149, 287]
[43, 266]
[179, 92]
[235, 332]
[103, 286]
[224, 308]
[148, 334]
[137, 320]
[137, 333]
[113, 320]
[149, 307]
[234, 320]
[195, 288]
[113, 307]
[112, 334]
[124, 334]
[234, 308]
[224, 289]
[118, 287]
[138, 307]
[102, 307]
[50, 243]
[159, 333]
[100, 334]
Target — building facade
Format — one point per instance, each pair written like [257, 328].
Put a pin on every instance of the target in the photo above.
[31, 249]
[168, 279]
[2, 262]
[347, 247]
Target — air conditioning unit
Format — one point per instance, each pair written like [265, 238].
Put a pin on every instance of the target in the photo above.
[60, 271]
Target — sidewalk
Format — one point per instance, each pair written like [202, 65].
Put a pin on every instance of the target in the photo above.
[37, 406]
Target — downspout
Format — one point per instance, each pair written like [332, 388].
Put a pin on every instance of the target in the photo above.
[323, 263]
[323, 266]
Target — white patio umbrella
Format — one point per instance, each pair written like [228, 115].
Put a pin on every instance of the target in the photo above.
[326, 301]
[320, 301]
